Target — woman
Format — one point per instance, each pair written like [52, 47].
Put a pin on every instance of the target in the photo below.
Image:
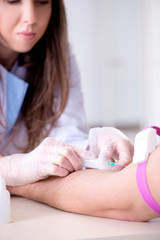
[42, 118]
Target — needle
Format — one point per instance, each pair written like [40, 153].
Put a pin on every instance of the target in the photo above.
[110, 163]
[96, 163]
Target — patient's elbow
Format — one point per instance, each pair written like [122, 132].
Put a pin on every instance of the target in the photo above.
[128, 215]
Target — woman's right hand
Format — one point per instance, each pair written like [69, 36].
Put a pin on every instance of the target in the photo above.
[50, 158]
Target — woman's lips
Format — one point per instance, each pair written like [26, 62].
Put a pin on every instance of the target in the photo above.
[26, 35]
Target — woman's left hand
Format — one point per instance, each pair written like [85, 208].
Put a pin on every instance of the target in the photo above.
[108, 143]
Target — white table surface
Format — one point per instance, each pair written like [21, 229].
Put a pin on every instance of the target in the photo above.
[35, 221]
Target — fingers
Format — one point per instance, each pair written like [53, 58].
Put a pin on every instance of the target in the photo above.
[69, 157]
[58, 146]
[57, 166]
[62, 162]
[125, 155]
[81, 153]
[65, 163]
[106, 152]
[121, 150]
[59, 171]
[63, 158]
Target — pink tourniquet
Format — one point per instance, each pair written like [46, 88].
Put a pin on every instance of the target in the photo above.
[143, 187]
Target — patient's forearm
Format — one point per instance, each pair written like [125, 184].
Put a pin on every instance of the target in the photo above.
[98, 193]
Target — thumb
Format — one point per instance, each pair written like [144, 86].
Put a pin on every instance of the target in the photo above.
[106, 152]
[84, 154]
[80, 152]
[125, 156]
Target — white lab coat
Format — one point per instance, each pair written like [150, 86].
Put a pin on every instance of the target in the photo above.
[71, 127]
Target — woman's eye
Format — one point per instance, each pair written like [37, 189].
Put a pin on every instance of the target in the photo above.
[12, 1]
[42, 2]
[17, 1]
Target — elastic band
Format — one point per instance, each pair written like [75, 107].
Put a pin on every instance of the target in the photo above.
[155, 127]
[143, 187]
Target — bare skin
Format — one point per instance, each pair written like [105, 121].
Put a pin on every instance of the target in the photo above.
[99, 193]
[17, 17]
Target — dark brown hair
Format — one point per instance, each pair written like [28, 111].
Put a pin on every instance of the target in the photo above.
[47, 76]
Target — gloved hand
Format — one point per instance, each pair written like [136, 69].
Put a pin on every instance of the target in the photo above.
[108, 143]
[51, 157]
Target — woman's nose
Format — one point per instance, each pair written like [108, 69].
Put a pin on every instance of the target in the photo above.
[29, 12]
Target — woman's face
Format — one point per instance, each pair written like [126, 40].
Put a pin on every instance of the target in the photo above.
[23, 23]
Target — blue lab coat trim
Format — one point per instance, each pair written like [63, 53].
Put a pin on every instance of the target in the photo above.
[16, 90]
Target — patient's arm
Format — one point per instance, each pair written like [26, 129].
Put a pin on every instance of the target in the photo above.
[99, 193]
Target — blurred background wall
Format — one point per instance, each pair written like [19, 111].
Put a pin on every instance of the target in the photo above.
[117, 46]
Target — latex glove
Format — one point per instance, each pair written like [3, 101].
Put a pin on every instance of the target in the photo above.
[51, 157]
[108, 143]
